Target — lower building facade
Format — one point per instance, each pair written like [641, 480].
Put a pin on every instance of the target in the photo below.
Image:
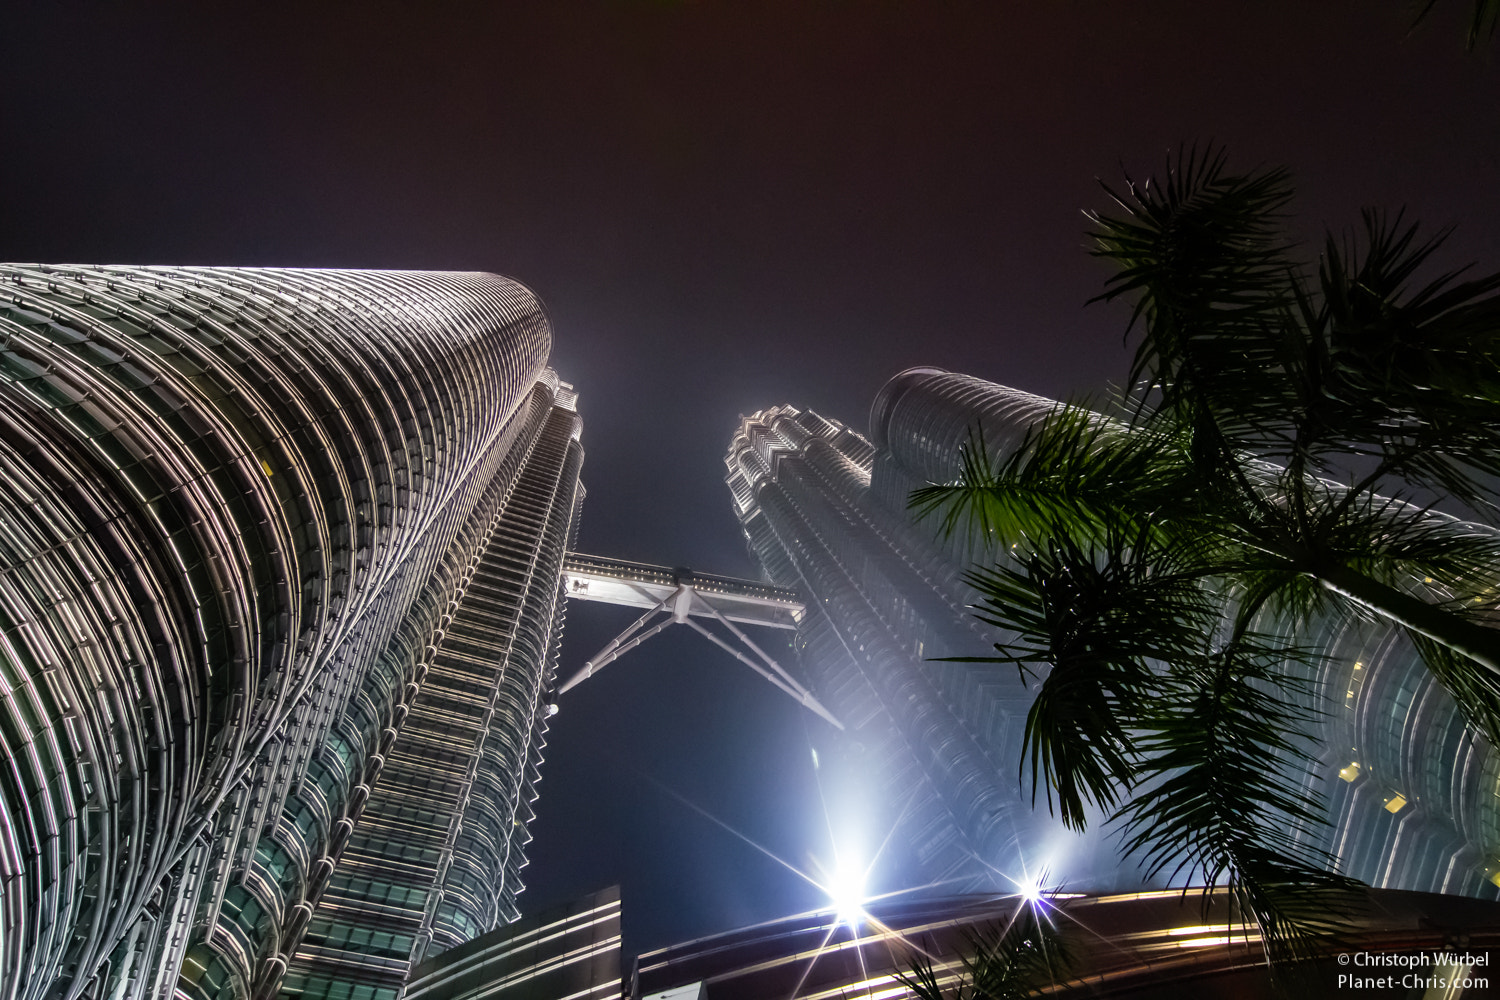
[569, 952]
[1158, 945]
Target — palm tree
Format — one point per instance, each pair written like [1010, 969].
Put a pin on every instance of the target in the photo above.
[1006, 962]
[1276, 463]
[1281, 387]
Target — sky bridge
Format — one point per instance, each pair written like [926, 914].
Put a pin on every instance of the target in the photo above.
[677, 595]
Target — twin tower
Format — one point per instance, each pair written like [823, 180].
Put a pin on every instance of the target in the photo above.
[281, 563]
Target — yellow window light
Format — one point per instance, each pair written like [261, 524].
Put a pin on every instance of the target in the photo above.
[1351, 772]
[1206, 942]
[1395, 803]
[1195, 929]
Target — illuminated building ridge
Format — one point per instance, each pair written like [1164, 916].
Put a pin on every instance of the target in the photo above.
[245, 513]
[1413, 793]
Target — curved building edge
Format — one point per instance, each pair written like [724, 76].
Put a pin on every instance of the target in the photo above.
[232, 498]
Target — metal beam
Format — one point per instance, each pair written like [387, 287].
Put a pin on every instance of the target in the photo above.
[797, 692]
[643, 585]
[611, 650]
[684, 595]
[611, 653]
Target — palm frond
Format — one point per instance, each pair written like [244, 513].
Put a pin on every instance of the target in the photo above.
[1300, 920]
[1223, 796]
[1201, 255]
[1373, 360]
[1414, 372]
[1016, 959]
[1476, 692]
[1304, 524]
[1076, 472]
[1375, 557]
[1292, 598]
[1241, 353]
[1099, 615]
[1008, 961]
[922, 979]
[1395, 541]
[1288, 531]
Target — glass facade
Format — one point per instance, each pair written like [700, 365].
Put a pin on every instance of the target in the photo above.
[245, 515]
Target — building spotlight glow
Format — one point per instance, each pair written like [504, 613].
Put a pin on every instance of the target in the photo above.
[1030, 885]
[846, 890]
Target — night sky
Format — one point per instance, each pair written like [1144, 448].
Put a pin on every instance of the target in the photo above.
[725, 206]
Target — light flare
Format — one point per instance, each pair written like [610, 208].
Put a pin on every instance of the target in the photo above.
[846, 891]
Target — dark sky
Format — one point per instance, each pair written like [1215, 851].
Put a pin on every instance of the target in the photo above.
[725, 206]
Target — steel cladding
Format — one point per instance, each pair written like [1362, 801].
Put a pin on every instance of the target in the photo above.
[235, 507]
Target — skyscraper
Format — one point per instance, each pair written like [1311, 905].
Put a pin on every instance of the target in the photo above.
[263, 532]
[1413, 793]
[823, 510]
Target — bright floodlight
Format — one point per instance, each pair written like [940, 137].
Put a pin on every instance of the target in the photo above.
[846, 890]
[1029, 885]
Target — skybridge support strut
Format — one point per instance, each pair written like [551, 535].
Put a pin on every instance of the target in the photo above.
[680, 596]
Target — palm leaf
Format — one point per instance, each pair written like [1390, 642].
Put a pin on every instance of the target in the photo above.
[1077, 472]
[922, 979]
[1223, 799]
[1007, 961]
[1099, 616]
[1388, 539]
[1302, 524]
[1414, 373]
[1235, 348]
[1378, 557]
[1475, 692]
[1200, 253]
[1017, 959]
